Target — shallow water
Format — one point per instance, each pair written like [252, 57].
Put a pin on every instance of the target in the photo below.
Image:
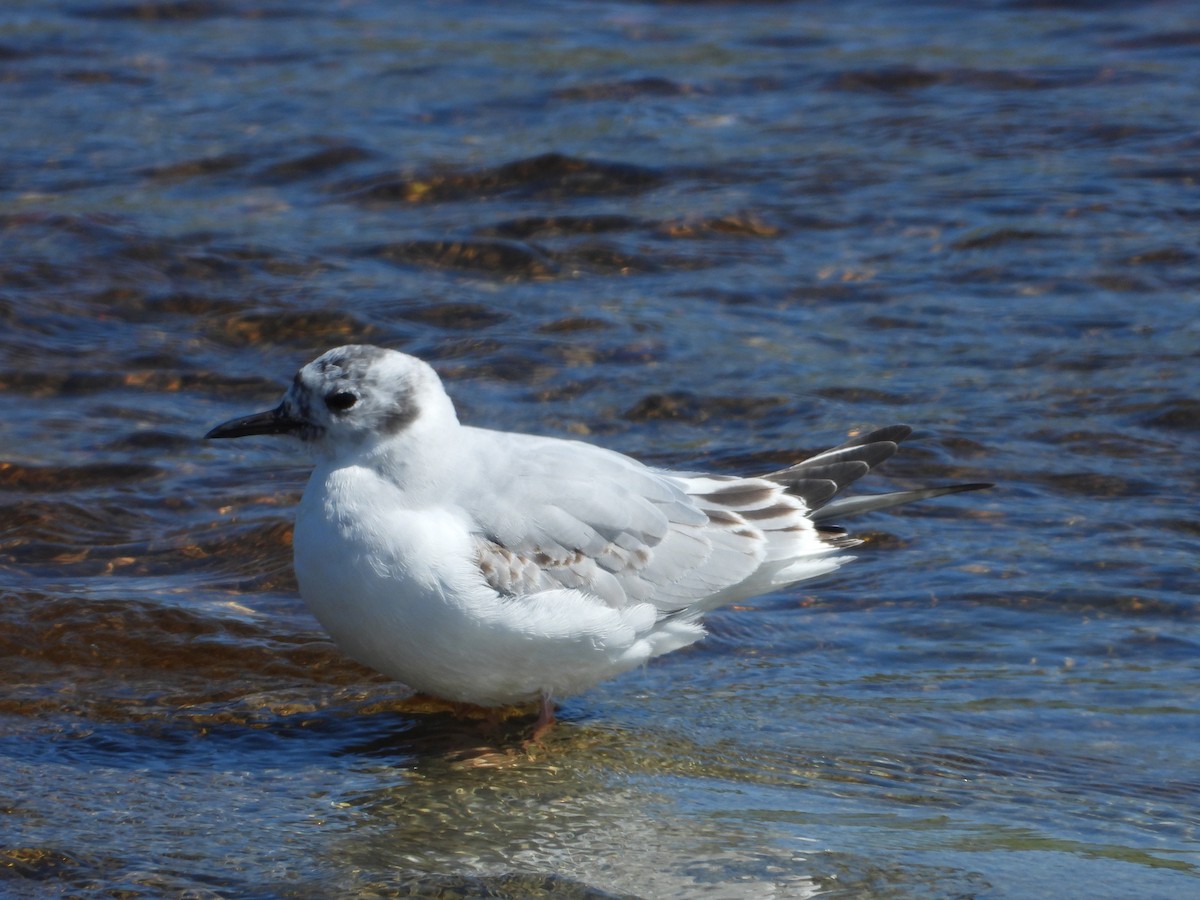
[712, 236]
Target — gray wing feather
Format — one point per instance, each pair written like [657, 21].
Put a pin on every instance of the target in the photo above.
[572, 515]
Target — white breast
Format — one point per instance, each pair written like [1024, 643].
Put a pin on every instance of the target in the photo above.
[399, 589]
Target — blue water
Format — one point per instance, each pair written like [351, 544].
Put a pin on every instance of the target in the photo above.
[709, 235]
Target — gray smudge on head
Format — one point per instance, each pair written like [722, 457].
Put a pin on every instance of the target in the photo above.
[354, 368]
[354, 360]
[403, 414]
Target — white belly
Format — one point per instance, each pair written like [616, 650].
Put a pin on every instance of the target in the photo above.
[398, 589]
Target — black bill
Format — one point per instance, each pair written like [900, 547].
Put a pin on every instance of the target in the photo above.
[273, 421]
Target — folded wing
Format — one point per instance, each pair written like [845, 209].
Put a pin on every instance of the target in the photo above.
[571, 515]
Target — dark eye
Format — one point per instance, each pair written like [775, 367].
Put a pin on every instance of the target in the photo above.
[340, 401]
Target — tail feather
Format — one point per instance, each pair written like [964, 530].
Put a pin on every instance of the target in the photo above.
[853, 506]
[817, 479]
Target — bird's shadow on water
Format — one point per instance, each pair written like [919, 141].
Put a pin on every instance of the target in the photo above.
[416, 738]
[433, 736]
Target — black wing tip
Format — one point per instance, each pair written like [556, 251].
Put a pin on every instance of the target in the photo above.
[895, 433]
[973, 486]
[853, 506]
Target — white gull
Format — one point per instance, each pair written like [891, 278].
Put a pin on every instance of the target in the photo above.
[493, 568]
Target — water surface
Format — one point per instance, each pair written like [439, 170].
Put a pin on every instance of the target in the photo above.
[709, 235]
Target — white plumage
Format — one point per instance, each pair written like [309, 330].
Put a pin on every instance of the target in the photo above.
[492, 567]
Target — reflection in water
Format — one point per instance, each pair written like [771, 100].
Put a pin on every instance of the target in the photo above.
[585, 809]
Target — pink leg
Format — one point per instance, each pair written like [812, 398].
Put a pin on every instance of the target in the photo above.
[545, 719]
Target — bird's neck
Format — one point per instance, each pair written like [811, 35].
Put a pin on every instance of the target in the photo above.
[416, 460]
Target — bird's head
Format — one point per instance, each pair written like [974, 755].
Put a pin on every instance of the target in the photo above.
[349, 397]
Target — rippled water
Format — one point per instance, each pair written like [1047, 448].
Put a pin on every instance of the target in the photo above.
[711, 235]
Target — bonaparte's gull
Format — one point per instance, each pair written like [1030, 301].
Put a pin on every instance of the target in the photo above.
[492, 568]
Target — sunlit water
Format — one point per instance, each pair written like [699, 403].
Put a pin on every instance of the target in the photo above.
[713, 236]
